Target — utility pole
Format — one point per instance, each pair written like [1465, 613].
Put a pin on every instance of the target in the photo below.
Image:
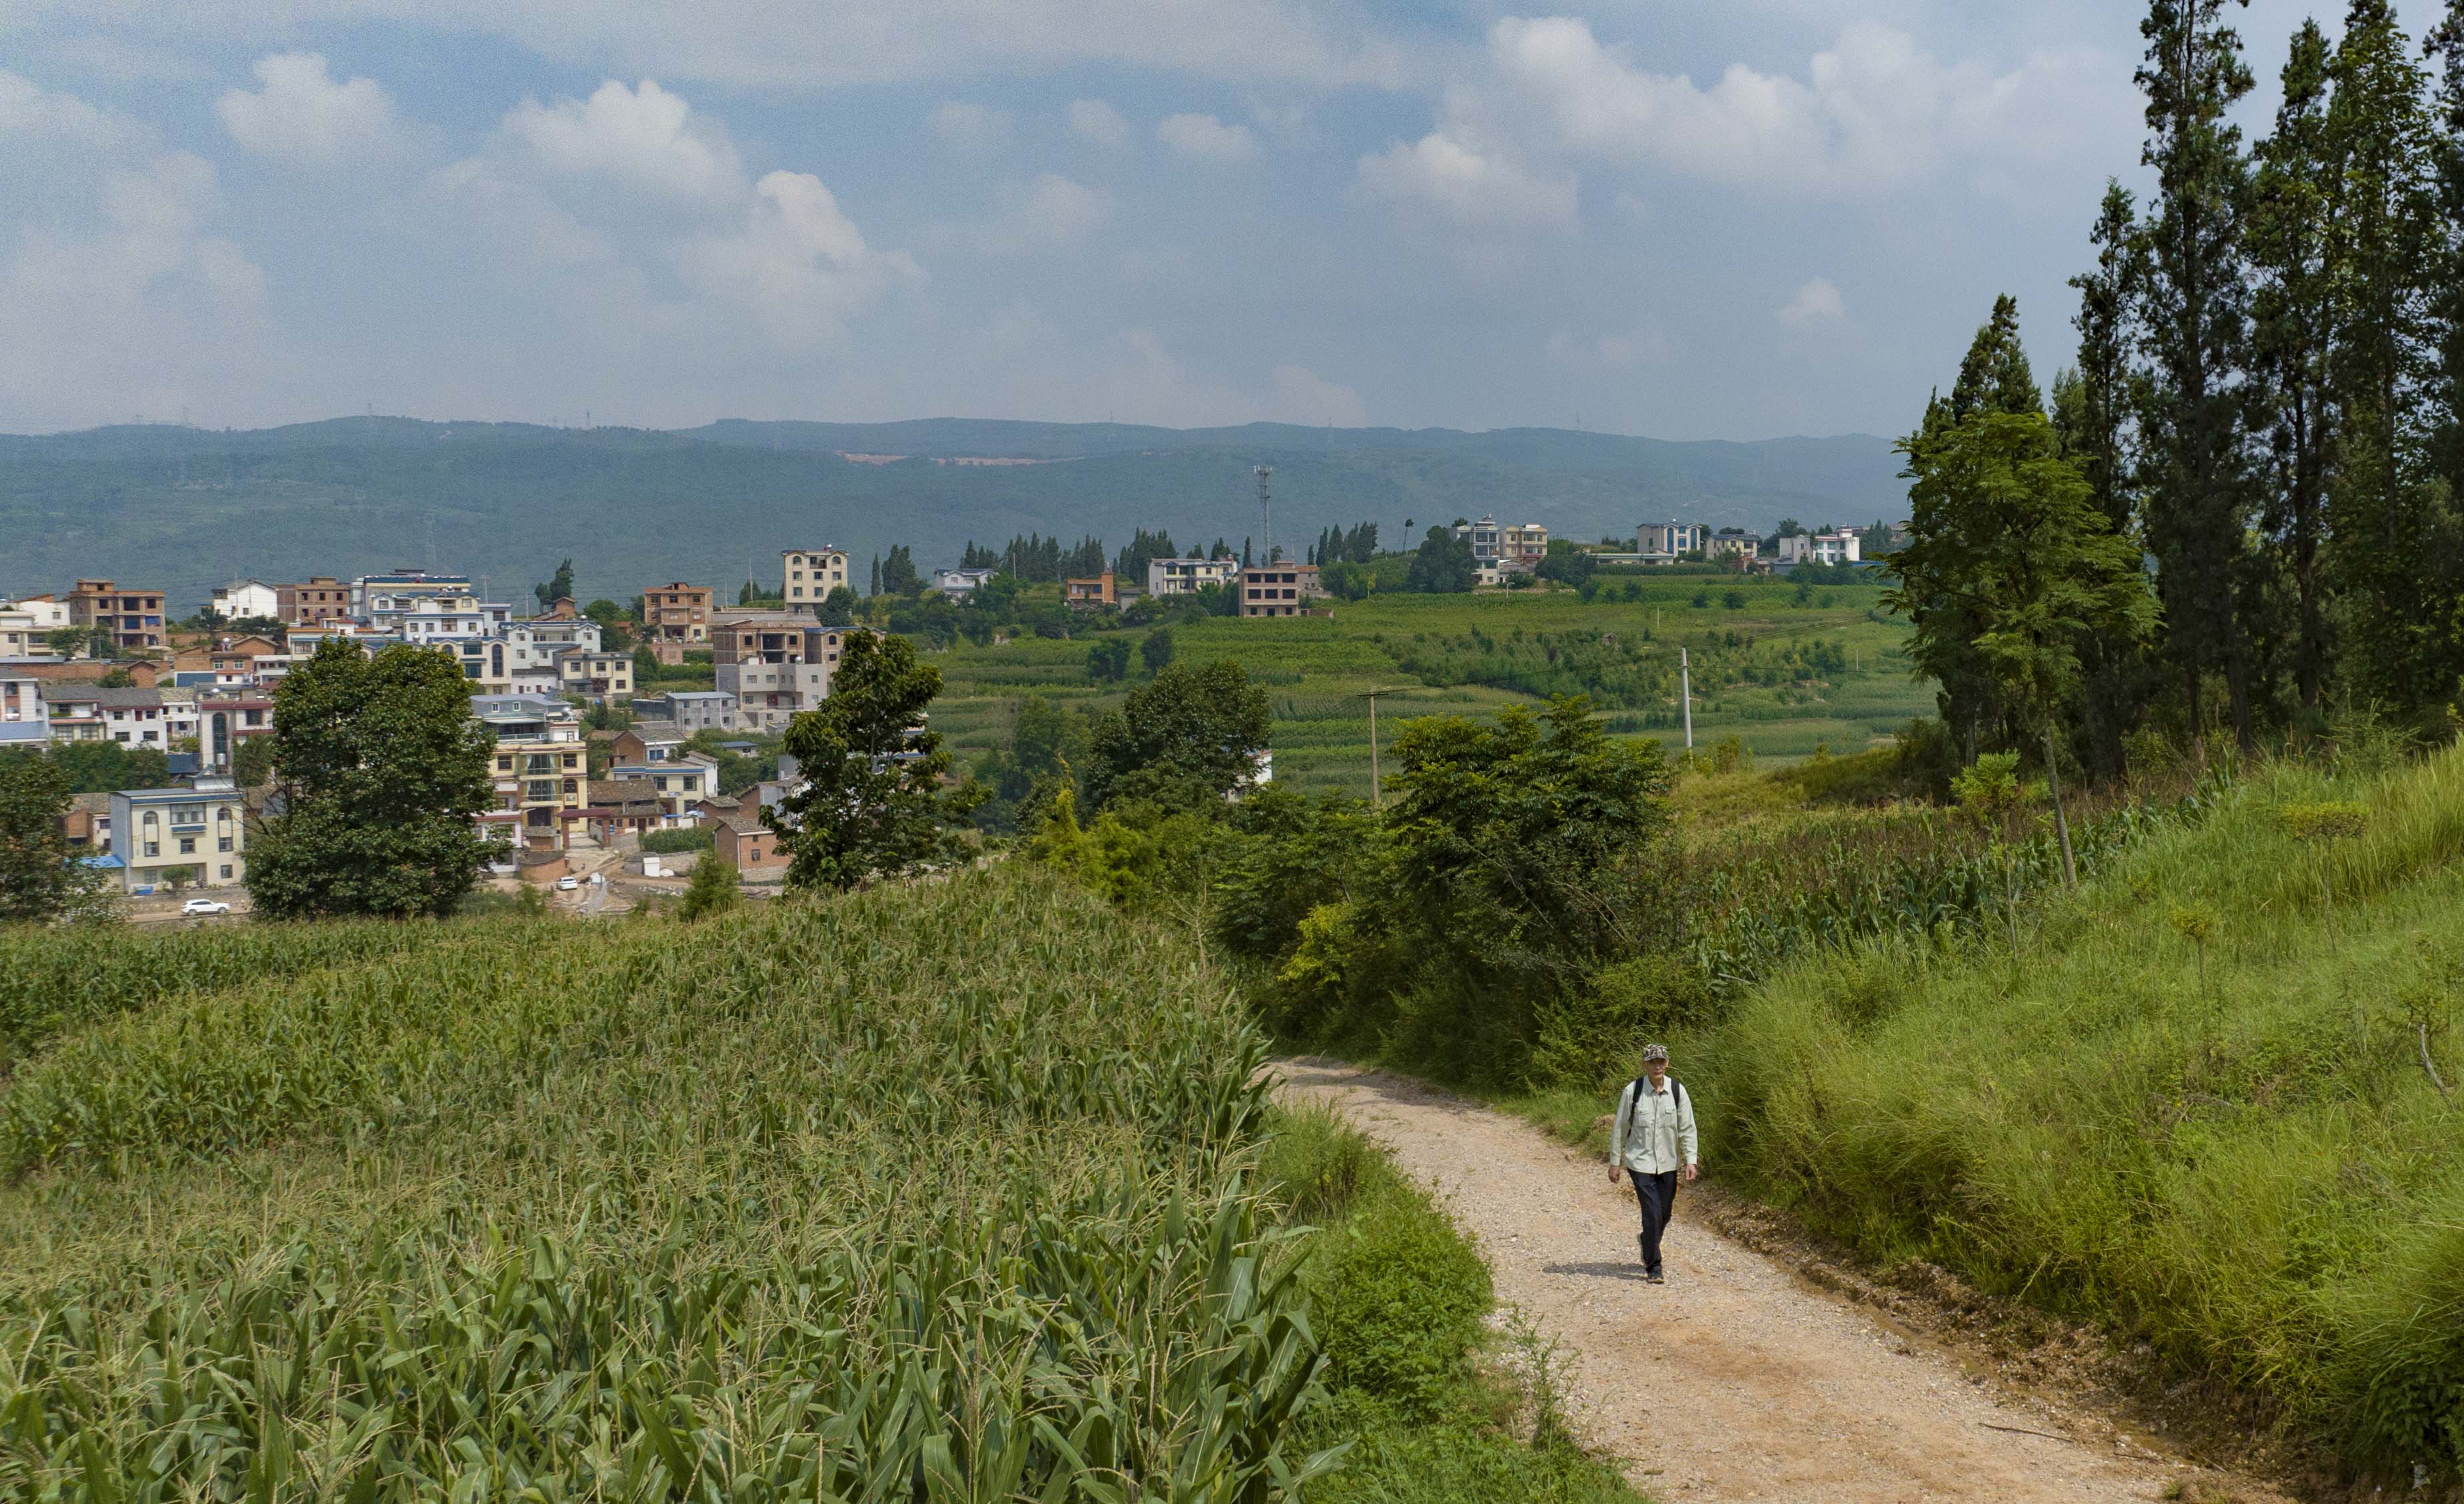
[1686, 694]
[1377, 781]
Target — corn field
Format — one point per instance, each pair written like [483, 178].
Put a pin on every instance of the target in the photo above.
[934, 1194]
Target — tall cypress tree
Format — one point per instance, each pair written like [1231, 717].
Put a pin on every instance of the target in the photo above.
[2294, 192]
[1944, 521]
[2194, 314]
[2395, 542]
[2092, 420]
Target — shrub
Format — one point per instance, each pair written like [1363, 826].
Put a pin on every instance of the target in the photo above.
[1397, 1300]
[1595, 1035]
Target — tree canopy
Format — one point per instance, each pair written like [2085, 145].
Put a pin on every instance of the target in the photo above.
[1190, 734]
[869, 804]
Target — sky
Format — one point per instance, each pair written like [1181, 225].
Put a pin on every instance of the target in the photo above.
[1743, 220]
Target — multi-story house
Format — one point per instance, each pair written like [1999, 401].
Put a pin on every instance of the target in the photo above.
[318, 599]
[133, 718]
[1834, 547]
[1483, 538]
[247, 600]
[960, 583]
[539, 763]
[1283, 588]
[133, 618]
[1087, 594]
[598, 676]
[232, 661]
[1529, 542]
[380, 597]
[199, 834]
[770, 695]
[1666, 542]
[26, 626]
[677, 612]
[645, 741]
[678, 784]
[21, 699]
[690, 711]
[225, 719]
[423, 619]
[1188, 576]
[1732, 542]
[808, 575]
[179, 713]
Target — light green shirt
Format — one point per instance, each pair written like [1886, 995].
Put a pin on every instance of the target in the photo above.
[1656, 1135]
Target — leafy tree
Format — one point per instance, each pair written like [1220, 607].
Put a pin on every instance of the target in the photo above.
[380, 774]
[2195, 309]
[104, 767]
[1444, 563]
[714, 888]
[1143, 549]
[41, 875]
[898, 576]
[1188, 738]
[2092, 420]
[838, 607]
[1155, 651]
[870, 804]
[1507, 838]
[116, 678]
[1109, 660]
[2026, 562]
[1568, 561]
[559, 587]
[615, 632]
[253, 762]
[1346, 581]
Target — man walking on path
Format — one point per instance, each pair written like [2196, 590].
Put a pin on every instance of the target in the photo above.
[1652, 1138]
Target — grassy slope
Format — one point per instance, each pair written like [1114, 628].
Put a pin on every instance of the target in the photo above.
[1315, 667]
[2251, 1168]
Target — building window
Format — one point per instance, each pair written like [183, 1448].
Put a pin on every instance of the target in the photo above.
[153, 848]
[188, 845]
[226, 868]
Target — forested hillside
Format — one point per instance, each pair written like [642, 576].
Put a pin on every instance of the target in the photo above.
[185, 510]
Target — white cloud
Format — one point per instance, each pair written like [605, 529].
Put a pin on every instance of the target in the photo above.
[302, 115]
[971, 126]
[1815, 301]
[1472, 187]
[645, 137]
[1302, 395]
[774, 44]
[29, 110]
[1873, 111]
[798, 268]
[1205, 137]
[1046, 213]
[1098, 121]
[135, 308]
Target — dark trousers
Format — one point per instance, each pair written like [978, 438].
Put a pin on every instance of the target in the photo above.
[1657, 1194]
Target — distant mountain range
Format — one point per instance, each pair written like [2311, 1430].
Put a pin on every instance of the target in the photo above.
[187, 509]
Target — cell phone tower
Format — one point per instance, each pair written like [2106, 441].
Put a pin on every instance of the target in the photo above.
[1265, 474]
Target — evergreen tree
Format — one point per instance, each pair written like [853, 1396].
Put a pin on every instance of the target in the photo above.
[1949, 525]
[2093, 428]
[875, 589]
[557, 588]
[2294, 195]
[898, 574]
[1443, 565]
[2393, 537]
[2194, 318]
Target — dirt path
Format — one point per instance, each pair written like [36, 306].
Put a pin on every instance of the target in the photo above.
[1736, 1380]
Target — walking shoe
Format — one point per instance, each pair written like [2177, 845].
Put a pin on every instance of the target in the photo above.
[1655, 1278]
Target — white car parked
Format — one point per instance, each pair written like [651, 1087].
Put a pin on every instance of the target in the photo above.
[567, 884]
[204, 906]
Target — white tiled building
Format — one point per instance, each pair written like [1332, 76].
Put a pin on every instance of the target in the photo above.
[808, 575]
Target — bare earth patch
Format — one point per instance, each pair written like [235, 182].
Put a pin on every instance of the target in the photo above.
[1738, 1379]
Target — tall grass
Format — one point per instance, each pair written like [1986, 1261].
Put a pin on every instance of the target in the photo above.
[935, 1193]
[2194, 1106]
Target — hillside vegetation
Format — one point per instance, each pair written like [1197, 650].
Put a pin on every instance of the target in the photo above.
[184, 510]
[2210, 1100]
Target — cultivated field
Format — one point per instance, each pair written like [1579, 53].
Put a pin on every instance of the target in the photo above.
[931, 1191]
[1782, 674]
